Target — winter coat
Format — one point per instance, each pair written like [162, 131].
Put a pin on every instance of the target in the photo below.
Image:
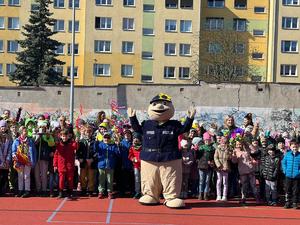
[43, 147]
[245, 162]
[222, 158]
[135, 153]
[124, 152]
[86, 151]
[187, 161]
[27, 148]
[5, 152]
[107, 155]
[291, 165]
[271, 168]
[205, 157]
[64, 156]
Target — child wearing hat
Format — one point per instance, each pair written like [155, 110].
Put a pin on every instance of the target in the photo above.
[205, 159]
[107, 153]
[187, 161]
[134, 156]
[270, 170]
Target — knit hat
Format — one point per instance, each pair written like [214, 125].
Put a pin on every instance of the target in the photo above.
[106, 135]
[137, 136]
[103, 125]
[206, 136]
[280, 140]
[3, 123]
[196, 140]
[183, 143]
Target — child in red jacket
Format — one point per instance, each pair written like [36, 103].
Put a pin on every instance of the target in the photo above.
[134, 156]
[64, 162]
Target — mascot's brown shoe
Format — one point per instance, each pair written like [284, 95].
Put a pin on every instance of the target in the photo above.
[175, 203]
[148, 200]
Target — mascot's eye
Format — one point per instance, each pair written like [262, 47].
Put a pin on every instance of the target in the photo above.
[154, 103]
[164, 103]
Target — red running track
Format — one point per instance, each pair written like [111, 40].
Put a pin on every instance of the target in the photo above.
[125, 211]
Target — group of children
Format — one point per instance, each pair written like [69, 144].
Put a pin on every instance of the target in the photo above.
[103, 159]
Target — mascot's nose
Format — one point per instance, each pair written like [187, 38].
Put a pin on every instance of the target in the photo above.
[160, 106]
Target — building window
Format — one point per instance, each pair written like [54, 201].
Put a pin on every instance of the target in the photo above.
[239, 25]
[77, 3]
[240, 4]
[148, 31]
[257, 55]
[103, 23]
[290, 2]
[171, 4]
[13, 2]
[10, 68]
[185, 26]
[2, 23]
[127, 70]
[216, 3]
[239, 71]
[102, 69]
[169, 72]
[186, 4]
[214, 48]
[170, 49]
[12, 46]
[13, 23]
[35, 7]
[75, 72]
[59, 3]
[184, 72]
[146, 78]
[59, 25]
[184, 49]
[170, 25]
[76, 26]
[127, 47]
[288, 70]
[76, 49]
[215, 23]
[102, 46]
[128, 3]
[60, 49]
[289, 46]
[290, 23]
[147, 55]
[148, 8]
[128, 24]
[258, 9]
[240, 48]
[1, 69]
[1, 46]
[258, 33]
[1, 2]
[103, 2]
[59, 70]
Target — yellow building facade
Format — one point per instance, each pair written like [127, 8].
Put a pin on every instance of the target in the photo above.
[117, 42]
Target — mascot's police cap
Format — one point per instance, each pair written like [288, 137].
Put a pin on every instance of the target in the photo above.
[161, 97]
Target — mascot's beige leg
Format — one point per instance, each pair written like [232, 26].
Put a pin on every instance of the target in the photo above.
[150, 183]
[171, 178]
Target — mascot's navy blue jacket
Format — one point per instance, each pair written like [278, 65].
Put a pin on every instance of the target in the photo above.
[160, 142]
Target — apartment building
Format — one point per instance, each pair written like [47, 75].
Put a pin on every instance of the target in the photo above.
[117, 41]
[287, 58]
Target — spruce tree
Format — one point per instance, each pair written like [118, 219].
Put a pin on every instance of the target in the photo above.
[37, 59]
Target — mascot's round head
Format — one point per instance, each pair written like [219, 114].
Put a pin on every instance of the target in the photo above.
[161, 108]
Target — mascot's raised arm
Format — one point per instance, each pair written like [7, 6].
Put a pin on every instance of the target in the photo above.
[161, 166]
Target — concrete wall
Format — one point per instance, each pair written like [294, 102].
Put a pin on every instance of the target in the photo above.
[275, 106]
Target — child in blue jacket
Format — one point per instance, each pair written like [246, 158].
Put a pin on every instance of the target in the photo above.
[291, 169]
[107, 153]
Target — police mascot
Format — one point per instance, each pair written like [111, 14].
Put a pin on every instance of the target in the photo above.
[161, 166]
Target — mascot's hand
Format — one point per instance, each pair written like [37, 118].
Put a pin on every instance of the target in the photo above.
[131, 112]
[191, 112]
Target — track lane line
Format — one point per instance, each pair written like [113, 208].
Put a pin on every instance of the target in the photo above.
[109, 211]
[56, 210]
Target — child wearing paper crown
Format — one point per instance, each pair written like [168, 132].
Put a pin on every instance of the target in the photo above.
[134, 156]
